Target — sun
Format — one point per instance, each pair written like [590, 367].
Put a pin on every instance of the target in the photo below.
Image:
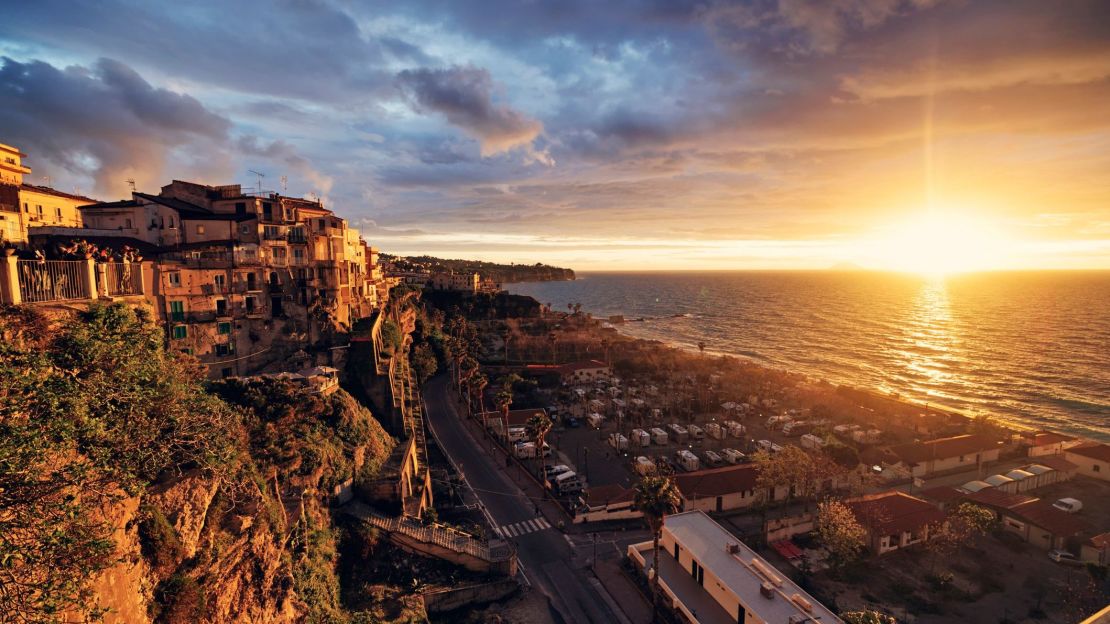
[937, 243]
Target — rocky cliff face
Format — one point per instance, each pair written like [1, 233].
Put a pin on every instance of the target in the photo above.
[199, 547]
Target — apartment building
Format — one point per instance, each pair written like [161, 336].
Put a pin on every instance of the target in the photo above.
[708, 575]
[24, 206]
[240, 279]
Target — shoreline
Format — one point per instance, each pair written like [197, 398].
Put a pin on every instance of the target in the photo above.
[910, 403]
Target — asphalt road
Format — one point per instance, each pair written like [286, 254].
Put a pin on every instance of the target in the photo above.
[549, 560]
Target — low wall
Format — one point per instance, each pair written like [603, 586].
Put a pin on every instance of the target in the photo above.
[445, 600]
[785, 528]
[474, 564]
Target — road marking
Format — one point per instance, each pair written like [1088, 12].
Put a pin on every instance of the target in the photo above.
[523, 527]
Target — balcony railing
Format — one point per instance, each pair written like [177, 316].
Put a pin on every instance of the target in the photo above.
[122, 278]
[53, 280]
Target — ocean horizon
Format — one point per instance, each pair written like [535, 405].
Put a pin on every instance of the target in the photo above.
[1029, 347]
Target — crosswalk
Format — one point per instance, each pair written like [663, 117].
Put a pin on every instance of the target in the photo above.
[525, 527]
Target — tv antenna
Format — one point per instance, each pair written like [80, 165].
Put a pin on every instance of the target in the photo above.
[260, 176]
[284, 184]
[131, 183]
[46, 180]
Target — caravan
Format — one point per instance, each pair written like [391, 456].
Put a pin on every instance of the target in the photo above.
[687, 460]
[713, 459]
[640, 438]
[517, 434]
[658, 436]
[679, 432]
[733, 456]
[696, 432]
[644, 466]
[595, 420]
[618, 441]
[568, 483]
[715, 431]
[735, 429]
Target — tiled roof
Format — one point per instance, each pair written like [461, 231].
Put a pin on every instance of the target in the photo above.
[1044, 515]
[894, 512]
[917, 452]
[998, 498]
[717, 481]
[608, 494]
[1100, 452]
[46, 190]
[942, 494]
[1056, 462]
[1044, 438]
[122, 203]
[1102, 540]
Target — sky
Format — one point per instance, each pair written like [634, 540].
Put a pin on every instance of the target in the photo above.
[771, 134]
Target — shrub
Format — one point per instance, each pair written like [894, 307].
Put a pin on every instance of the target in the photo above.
[158, 540]
[181, 600]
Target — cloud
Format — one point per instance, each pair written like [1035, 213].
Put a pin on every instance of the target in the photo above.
[464, 96]
[281, 152]
[105, 122]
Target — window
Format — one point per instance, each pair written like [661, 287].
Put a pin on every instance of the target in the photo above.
[26, 207]
[171, 222]
[1096, 468]
[127, 224]
[225, 372]
[187, 351]
[244, 229]
[39, 208]
[249, 304]
[225, 349]
[200, 229]
[218, 282]
[177, 310]
[58, 213]
[174, 278]
[180, 331]
[223, 328]
[298, 253]
[240, 207]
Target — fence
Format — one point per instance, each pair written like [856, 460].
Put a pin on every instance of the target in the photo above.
[53, 280]
[443, 536]
[123, 278]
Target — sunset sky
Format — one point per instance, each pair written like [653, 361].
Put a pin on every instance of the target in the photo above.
[600, 135]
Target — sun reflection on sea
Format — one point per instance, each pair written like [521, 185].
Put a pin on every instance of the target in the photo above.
[930, 340]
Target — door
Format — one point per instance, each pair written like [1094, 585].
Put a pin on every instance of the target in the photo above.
[275, 306]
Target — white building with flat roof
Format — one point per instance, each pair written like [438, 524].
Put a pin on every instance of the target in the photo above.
[710, 576]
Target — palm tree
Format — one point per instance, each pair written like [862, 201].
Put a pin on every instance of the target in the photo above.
[506, 337]
[478, 385]
[505, 398]
[553, 338]
[656, 497]
[538, 426]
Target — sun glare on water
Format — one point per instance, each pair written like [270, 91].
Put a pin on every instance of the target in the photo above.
[937, 243]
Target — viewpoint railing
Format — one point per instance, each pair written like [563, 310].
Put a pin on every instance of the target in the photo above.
[122, 278]
[443, 536]
[53, 280]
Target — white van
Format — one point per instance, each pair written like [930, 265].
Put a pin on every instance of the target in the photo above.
[568, 483]
[557, 469]
[1070, 505]
[618, 441]
[516, 434]
[658, 436]
[640, 438]
[644, 466]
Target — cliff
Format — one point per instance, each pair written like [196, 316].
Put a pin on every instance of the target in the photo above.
[135, 492]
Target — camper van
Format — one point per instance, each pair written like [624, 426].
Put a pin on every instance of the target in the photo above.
[640, 438]
[775, 448]
[735, 429]
[618, 441]
[568, 483]
[524, 450]
[658, 436]
[644, 466]
[687, 460]
[765, 445]
[553, 471]
[796, 428]
[696, 432]
[679, 432]
[595, 419]
[713, 459]
[715, 431]
[811, 441]
[516, 434]
[733, 456]
[777, 422]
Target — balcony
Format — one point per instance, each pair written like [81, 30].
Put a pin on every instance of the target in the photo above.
[274, 234]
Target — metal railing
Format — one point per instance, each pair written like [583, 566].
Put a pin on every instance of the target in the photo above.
[123, 278]
[53, 280]
[441, 535]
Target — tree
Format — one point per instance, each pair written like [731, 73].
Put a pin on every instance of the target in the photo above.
[505, 396]
[538, 426]
[867, 617]
[842, 535]
[964, 523]
[656, 497]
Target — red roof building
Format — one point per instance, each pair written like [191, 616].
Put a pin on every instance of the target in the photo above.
[895, 519]
[1092, 460]
[946, 454]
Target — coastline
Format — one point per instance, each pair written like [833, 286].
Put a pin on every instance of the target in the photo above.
[913, 404]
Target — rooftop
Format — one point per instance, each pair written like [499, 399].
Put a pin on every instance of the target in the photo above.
[894, 512]
[717, 481]
[1044, 515]
[1097, 451]
[601, 495]
[740, 572]
[1055, 462]
[1044, 438]
[916, 452]
[46, 190]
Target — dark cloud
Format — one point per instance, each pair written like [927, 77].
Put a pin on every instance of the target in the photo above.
[464, 96]
[105, 122]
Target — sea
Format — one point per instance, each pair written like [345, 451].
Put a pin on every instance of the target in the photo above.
[1030, 348]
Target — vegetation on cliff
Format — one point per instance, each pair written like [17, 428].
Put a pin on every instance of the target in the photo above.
[504, 273]
[208, 502]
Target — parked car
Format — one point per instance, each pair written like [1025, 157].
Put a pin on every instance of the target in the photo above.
[1064, 557]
